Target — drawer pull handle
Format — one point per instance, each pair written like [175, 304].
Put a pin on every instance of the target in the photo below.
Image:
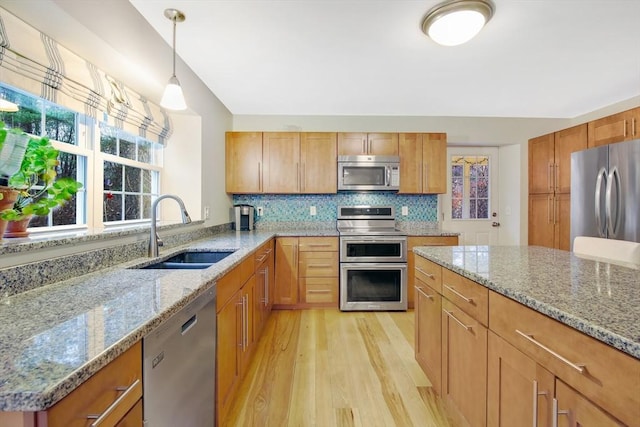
[262, 258]
[100, 418]
[578, 367]
[318, 291]
[424, 293]
[319, 245]
[557, 412]
[430, 276]
[450, 314]
[469, 300]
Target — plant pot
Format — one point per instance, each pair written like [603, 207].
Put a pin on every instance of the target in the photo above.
[17, 228]
[9, 197]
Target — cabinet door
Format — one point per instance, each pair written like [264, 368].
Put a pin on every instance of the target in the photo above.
[243, 163]
[229, 342]
[382, 144]
[318, 163]
[574, 410]
[286, 292]
[562, 226]
[134, 417]
[410, 149]
[615, 128]
[352, 144]
[434, 159]
[248, 333]
[566, 142]
[281, 154]
[261, 294]
[428, 333]
[541, 160]
[541, 229]
[519, 391]
[464, 364]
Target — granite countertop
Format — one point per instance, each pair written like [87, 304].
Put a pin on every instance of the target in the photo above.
[55, 337]
[597, 298]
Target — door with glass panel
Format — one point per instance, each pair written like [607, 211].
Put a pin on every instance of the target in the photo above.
[470, 206]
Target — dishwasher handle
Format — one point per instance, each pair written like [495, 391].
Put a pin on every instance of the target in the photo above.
[186, 326]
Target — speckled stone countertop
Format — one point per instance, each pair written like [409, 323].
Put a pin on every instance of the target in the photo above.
[597, 298]
[56, 336]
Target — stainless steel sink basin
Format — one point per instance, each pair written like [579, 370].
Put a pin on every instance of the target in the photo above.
[190, 260]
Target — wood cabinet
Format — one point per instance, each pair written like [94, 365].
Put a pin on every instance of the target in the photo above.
[235, 332]
[307, 272]
[464, 351]
[319, 163]
[281, 158]
[550, 186]
[281, 162]
[114, 393]
[413, 241]
[623, 126]
[599, 375]
[428, 325]
[243, 164]
[519, 390]
[264, 259]
[353, 144]
[423, 163]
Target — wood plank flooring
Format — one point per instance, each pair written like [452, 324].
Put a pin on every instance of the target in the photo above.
[324, 367]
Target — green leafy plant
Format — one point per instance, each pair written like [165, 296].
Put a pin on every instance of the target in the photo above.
[40, 191]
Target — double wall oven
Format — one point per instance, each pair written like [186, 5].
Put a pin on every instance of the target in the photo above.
[373, 259]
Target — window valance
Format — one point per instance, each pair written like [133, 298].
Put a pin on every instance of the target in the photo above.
[34, 62]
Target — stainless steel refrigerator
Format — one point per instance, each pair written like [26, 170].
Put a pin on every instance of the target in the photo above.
[605, 192]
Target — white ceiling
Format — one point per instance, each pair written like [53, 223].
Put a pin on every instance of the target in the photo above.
[535, 58]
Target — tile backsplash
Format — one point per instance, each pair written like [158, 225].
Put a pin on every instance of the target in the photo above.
[296, 207]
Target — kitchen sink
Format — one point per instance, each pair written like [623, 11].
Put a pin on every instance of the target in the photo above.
[190, 260]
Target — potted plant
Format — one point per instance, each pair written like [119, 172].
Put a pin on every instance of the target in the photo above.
[13, 143]
[39, 189]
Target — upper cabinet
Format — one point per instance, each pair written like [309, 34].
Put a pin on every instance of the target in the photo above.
[353, 144]
[423, 163]
[281, 162]
[243, 163]
[619, 127]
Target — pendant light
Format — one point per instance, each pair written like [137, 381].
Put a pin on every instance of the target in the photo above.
[456, 22]
[8, 106]
[173, 98]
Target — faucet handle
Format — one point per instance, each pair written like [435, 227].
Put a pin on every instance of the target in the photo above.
[159, 240]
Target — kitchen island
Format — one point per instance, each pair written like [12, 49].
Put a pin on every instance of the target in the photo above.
[576, 320]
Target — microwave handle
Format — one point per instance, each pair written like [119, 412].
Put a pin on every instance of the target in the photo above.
[388, 175]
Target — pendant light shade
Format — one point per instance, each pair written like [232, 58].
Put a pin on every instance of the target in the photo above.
[173, 98]
[456, 22]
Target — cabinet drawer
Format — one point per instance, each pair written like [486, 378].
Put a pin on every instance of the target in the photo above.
[229, 284]
[318, 264]
[319, 289]
[429, 273]
[471, 297]
[433, 240]
[262, 253]
[120, 379]
[328, 244]
[609, 378]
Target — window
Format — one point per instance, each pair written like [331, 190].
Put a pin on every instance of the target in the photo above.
[470, 187]
[128, 166]
[131, 175]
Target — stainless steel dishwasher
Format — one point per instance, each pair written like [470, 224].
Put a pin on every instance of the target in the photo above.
[179, 367]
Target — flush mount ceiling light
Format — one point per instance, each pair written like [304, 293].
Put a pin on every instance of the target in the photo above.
[457, 21]
[173, 98]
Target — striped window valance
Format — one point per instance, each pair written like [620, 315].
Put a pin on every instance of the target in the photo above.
[34, 62]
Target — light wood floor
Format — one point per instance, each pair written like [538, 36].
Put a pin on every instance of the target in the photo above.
[329, 368]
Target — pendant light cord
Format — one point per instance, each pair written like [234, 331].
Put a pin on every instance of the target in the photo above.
[174, 46]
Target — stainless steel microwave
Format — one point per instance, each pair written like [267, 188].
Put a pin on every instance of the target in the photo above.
[369, 173]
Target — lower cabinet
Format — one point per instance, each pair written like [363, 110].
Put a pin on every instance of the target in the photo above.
[573, 409]
[428, 333]
[519, 390]
[413, 241]
[237, 335]
[464, 365]
[306, 272]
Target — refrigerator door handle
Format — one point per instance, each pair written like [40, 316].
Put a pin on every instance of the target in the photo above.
[602, 175]
[613, 224]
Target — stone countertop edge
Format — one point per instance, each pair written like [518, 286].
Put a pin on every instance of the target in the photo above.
[627, 344]
[242, 242]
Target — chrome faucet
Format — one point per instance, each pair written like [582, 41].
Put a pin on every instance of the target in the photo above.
[154, 240]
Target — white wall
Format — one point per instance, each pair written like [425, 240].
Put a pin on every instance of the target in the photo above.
[510, 191]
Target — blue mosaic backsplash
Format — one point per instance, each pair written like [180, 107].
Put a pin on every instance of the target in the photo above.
[296, 207]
